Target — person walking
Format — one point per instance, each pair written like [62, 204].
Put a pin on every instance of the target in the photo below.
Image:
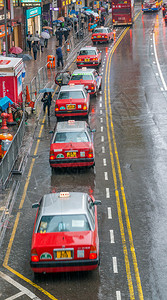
[59, 56]
[47, 101]
[29, 40]
[42, 44]
[37, 34]
[59, 36]
[35, 49]
[66, 34]
[46, 43]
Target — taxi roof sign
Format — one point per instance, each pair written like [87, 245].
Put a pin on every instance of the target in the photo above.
[64, 195]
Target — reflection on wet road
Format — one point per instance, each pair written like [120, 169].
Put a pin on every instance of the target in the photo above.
[129, 116]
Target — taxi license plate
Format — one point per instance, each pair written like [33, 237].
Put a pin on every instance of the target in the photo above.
[87, 59]
[71, 154]
[65, 254]
[71, 106]
[99, 36]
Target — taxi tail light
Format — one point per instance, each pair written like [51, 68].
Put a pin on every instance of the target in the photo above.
[56, 107]
[93, 252]
[84, 107]
[163, 8]
[130, 19]
[90, 154]
[113, 21]
[34, 255]
[51, 155]
[92, 87]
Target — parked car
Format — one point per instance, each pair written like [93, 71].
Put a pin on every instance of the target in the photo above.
[91, 79]
[88, 57]
[72, 145]
[65, 235]
[72, 100]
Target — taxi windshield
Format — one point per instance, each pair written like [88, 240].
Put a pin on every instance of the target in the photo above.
[61, 223]
[74, 137]
[100, 30]
[82, 76]
[87, 52]
[71, 94]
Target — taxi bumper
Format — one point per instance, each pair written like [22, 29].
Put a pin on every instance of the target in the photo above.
[64, 266]
[71, 113]
[72, 162]
[87, 63]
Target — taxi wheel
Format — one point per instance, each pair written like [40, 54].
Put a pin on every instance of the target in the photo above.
[94, 43]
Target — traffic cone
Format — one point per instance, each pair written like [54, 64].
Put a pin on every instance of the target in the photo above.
[28, 99]
[68, 47]
[4, 116]
[10, 120]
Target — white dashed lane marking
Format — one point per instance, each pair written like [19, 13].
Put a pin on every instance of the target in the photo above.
[101, 120]
[109, 213]
[118, 295]
[104, 162]
[102, 138]
[106, 175]
[103, 149]
[100, 104]
[15, 296]
[112, 236]
[115, 267]
[107, 193]
[101, 128]
[101, 112]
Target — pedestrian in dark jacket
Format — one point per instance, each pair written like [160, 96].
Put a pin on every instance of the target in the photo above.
[59, 56]
[66, 34]
[59, 35]
[47, 101]
[35, 49]
[29, 40]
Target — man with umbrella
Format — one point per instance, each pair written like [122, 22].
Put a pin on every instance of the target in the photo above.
[47, 99]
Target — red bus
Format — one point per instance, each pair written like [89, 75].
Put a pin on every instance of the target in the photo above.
[122, 12]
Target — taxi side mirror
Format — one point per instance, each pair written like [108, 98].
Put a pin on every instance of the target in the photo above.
[35, 205]
[100, 51]
[97, 202]
[51, 131]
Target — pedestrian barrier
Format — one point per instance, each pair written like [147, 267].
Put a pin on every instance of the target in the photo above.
[8, 161]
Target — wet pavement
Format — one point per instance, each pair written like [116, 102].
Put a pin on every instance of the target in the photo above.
[129, 116]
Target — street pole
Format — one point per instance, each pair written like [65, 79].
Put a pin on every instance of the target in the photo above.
[6, 36]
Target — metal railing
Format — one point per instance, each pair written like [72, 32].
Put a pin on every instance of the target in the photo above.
[8, 161]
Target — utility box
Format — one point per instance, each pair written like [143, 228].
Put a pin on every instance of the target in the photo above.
[51, 61]
[11, 69]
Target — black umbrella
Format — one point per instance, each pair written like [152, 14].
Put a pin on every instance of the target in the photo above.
[25, 57]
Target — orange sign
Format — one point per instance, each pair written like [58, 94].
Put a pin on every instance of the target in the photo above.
[2, 30]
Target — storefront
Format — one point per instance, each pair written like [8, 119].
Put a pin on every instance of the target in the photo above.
[63, 7]
[2, 31]
[33, 20]
[47, 14]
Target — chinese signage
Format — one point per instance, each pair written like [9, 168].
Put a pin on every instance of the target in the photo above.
[30, 1]
[2, 30]
[33, 12]
[64, 3]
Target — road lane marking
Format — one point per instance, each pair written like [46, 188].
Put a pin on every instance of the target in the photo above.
[23, 289]
[6, 259]
[109, 213]
[158, 65]
[103, 149]
[101, 112]
[15, 296]
[101, 120]
[115, 267]
[102, 138]
[106, 175]
[112, 236]
[107, 193]
[100, 104]
[104, 162]
[101, 98]
[118, 295]
[101, 129]
[132, 249]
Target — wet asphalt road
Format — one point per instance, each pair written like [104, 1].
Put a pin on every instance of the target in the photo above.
[130, 178]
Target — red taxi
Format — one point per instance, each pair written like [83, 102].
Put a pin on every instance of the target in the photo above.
[65, 235]
[102, 35]
[89, 57]
[72, 145]
[91, 79]
[72, 101]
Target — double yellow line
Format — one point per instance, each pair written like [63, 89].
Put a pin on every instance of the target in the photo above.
[114, 152]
